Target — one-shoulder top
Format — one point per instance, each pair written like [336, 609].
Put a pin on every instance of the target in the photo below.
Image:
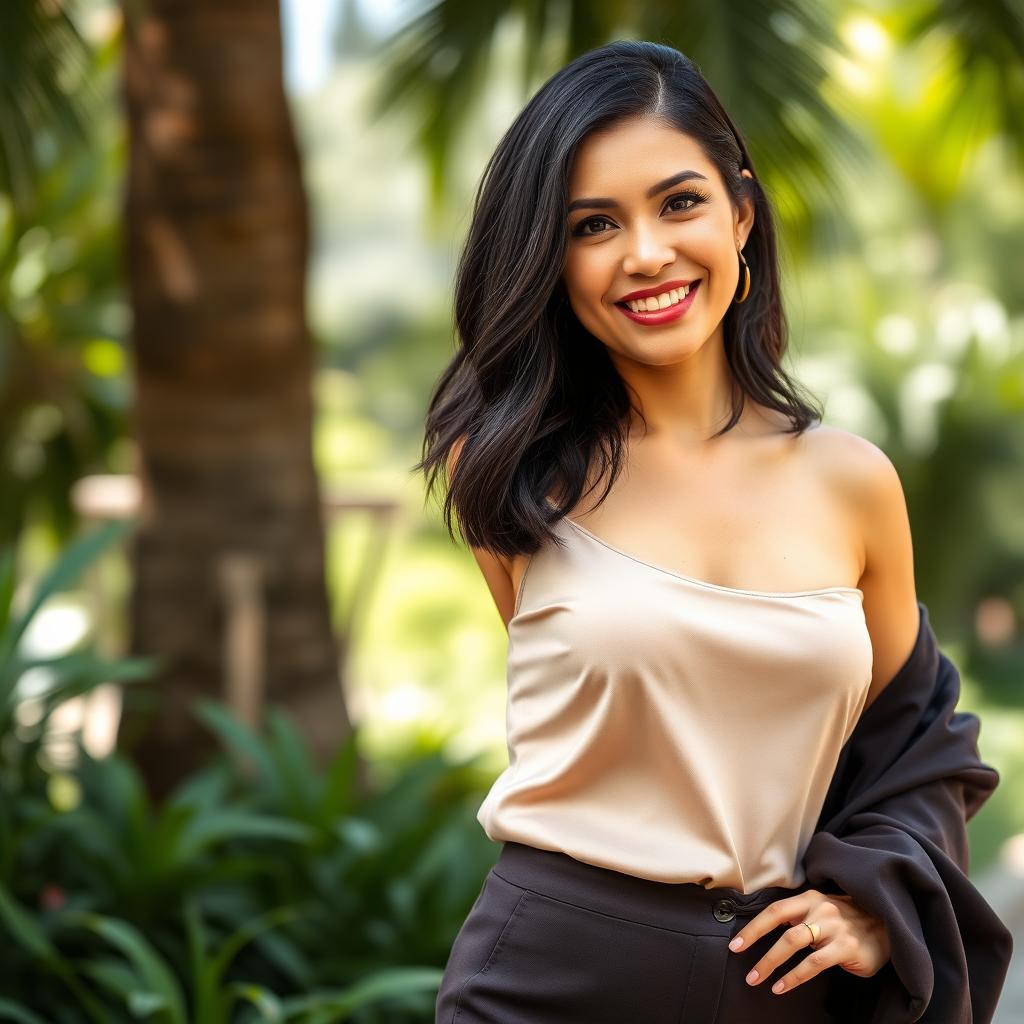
[668, 727]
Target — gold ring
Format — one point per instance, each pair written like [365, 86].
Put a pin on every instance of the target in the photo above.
[815, 931]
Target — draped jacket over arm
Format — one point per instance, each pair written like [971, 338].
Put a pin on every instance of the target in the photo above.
[892, 835]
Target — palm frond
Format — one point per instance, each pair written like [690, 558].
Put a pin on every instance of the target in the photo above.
[766, 62]
[43, 88]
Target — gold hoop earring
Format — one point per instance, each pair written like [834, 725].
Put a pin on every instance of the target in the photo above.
[746, 278]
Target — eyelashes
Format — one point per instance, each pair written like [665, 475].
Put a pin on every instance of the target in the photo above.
[694, 195]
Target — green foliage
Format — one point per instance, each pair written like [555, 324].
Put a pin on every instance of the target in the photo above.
[264, 888]
[67, 675]
[43, 74]
[766, 64]
[63, 322]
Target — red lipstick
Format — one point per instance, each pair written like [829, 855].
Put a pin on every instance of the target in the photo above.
[646, 293]
[660, 316]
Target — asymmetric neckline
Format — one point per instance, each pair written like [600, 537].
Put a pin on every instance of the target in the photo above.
[641, 700]
[693, 581]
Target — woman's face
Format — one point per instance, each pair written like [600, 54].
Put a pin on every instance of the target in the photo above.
[631, 230]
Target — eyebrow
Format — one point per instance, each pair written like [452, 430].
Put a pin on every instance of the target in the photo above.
[606, 204]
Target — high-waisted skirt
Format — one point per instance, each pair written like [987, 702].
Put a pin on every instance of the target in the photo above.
[553, 940]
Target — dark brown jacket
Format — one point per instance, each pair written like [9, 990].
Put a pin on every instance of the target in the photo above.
[892, 835]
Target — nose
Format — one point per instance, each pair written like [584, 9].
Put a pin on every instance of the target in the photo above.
[647, 254]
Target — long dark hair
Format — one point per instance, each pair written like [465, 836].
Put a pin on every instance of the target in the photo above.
[531, 400]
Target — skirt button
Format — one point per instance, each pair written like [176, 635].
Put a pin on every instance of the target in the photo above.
[724, 910]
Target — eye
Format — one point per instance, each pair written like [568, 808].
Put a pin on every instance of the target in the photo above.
[694, 197]
[579, 231]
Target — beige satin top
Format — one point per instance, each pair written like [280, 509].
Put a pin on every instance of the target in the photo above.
[668, 727]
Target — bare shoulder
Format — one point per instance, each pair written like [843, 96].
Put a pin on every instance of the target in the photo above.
[860, 470]
[855, 466]
[869, 485]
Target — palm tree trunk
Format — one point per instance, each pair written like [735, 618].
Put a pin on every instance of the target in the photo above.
[216, 242]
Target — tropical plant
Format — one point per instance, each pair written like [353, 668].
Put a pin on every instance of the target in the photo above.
[63, 392]
[262, 889]
[259, 881]
[774, 67]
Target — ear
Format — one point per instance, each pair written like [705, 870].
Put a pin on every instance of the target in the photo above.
[743, 217]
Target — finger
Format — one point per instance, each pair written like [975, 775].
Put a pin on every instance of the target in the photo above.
[814, 963]
[791, 941]
[784, 911]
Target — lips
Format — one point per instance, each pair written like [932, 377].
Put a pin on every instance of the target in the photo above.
[657, 317]
[658, 289]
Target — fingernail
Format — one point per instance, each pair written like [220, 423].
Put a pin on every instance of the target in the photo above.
[751, 977]
[778, 986]
[736, 943]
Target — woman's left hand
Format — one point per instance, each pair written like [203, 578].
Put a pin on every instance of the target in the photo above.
[849, 937]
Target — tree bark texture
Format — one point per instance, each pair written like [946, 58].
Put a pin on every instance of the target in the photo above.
[216, 242]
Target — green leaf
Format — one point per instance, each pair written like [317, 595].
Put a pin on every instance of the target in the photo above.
[295, 767]
[195, 933]
[212, 1004]
[24, 927]
[92, 666]
[44, 89]
[267, 1004]
[115, 975]
[246, 743]
[217, 826]
[340, 780]
[64, 571]
[8, 572]
[12, 1011]
[153, 970]
[392, 981]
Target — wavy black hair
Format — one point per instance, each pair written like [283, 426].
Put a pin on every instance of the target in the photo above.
[531, 400]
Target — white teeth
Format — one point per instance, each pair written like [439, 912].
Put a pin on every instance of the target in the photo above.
[657, 302]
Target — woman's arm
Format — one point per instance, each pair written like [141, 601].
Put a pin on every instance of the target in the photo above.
[871, 488]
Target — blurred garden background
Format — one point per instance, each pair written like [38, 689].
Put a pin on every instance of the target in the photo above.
[251, 694]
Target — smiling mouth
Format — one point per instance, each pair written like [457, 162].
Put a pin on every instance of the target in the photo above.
[655, 303]
[659, 315]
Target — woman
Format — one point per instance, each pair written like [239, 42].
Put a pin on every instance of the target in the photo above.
[704, 588]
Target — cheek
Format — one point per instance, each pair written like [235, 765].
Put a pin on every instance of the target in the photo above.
[708, 244]
[588, 279]
[586, 276]
[711, 247]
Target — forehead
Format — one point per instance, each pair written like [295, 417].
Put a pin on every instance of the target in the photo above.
[629, 157]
